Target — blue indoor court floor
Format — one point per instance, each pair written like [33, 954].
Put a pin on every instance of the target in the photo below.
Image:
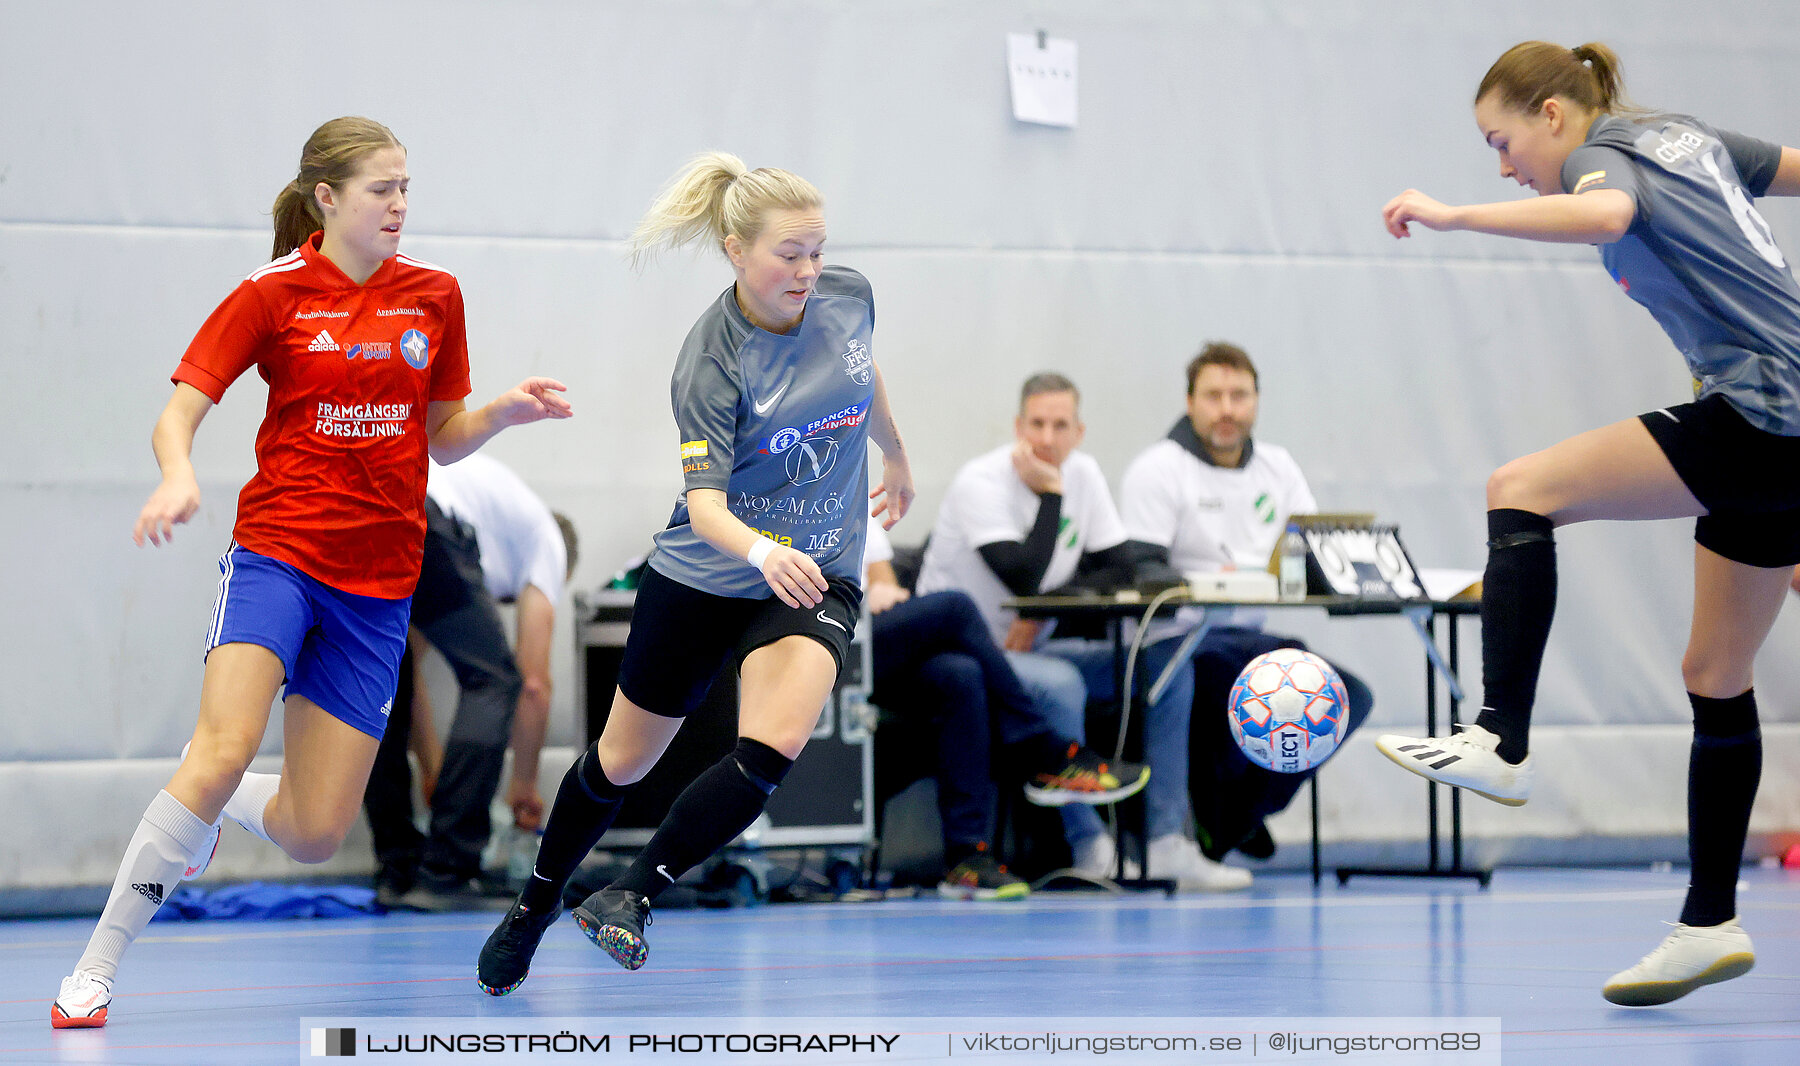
[1532, 949]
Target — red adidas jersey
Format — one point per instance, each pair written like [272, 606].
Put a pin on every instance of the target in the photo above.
[339, 489]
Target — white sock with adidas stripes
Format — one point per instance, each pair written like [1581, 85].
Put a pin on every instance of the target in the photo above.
[159, 852]
[248, 804]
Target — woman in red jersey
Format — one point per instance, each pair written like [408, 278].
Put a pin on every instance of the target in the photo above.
[364, 353]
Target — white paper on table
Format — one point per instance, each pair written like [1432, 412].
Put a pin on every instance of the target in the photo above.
[1043, 78]
[1447, 584]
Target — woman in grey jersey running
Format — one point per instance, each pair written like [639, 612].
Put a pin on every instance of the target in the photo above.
[1667, 198]
[776, 396]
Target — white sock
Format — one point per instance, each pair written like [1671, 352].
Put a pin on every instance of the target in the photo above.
[248, 804]
[154, 861]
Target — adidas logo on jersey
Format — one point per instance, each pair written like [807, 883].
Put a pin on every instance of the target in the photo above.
[151, 891]
[323, 343]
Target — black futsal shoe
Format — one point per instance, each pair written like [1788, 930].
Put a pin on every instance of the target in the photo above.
[614, 918]
[506, 957]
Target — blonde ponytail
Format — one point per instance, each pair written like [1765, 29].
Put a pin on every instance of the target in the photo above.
[692, 206]
[714, 197]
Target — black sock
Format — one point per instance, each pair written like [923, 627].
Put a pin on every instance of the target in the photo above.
[720, 804]
[1518, 600]
[586, 804]
[1724, 766]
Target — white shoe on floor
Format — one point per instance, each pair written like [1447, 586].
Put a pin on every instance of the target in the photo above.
[1463, 760]
[1178, 857]
[81, 1004]
[1096, 856]
[1691, 956]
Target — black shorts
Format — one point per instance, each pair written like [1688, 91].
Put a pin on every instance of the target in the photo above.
[1747, 479]
[681, 637]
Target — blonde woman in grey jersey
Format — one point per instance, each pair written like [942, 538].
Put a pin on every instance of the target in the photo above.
[776, 396]
[1667, 199]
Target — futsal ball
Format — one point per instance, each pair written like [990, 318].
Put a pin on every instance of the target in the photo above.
[1288, 710]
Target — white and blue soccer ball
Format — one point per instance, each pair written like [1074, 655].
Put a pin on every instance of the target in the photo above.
[1288, 710]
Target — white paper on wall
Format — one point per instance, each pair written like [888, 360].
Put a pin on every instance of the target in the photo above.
[1042, 72]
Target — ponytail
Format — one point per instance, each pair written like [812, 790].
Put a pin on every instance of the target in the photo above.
[714, 197]
[1604, 62]
[331, 155]
[1587, 75]
[692, 206]
[296, 216]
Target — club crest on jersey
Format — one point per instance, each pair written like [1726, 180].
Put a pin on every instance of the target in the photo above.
[416, 347]
[783, 440]
[857, 363]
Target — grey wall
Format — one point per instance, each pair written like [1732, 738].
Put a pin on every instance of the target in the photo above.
[1225, 182]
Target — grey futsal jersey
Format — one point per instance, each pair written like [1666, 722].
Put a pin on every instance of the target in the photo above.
[1700, 258]
[780, 424]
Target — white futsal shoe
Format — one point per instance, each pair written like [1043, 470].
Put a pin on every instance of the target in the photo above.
[82, 1002]
[1179, 859]
[1463, 760]
[1691, 956]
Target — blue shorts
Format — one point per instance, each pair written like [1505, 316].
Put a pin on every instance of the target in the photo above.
[340, 650]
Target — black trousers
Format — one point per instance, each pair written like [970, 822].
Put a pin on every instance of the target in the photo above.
[937, 667]
[454, 610]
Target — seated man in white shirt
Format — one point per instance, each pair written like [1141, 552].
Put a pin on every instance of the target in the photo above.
[1208, 497]
[936, 667]
[1019, 521]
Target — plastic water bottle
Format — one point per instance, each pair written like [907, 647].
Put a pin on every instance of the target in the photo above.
[1292, 573]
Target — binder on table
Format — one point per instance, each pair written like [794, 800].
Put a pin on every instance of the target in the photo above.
[1350, 554]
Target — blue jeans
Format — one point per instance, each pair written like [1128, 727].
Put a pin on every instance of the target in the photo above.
[1060, 696]
[935, 659]
[1165, 724]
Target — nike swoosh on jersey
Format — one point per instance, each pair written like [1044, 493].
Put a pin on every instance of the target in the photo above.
[664, 870]
[763, 408]
[828, 620]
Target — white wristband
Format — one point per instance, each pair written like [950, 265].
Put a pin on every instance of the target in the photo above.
[757, 554]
